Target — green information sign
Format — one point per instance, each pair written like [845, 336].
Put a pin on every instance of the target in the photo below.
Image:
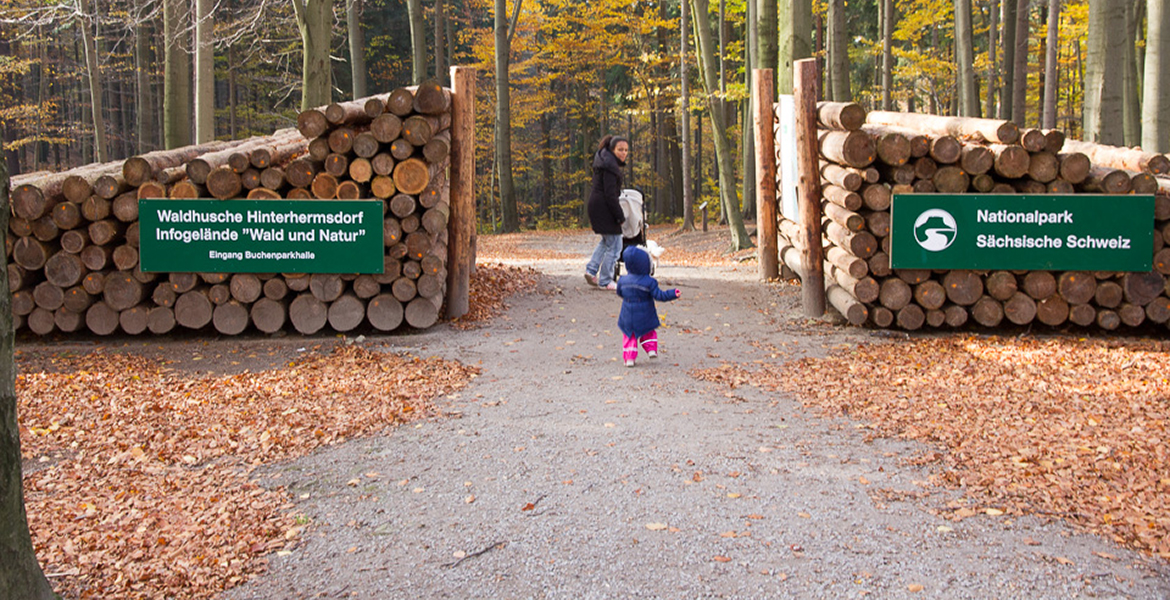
[1081, 232]
[260, 236]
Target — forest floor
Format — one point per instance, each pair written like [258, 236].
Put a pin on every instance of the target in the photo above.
[764, 455]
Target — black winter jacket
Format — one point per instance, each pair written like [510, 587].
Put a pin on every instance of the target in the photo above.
[605, 213]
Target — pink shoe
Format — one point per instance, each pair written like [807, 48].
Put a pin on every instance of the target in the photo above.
[609, 286]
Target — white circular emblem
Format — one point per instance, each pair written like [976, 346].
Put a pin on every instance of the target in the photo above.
[935, 230]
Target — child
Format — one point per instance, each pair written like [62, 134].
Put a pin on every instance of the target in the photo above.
[638, 319]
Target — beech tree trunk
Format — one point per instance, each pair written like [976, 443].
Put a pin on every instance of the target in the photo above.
[418, 39]
[727, 182]
[965, 57]
[315, 22]
[838, 48]
[176, 77]
[503, 33]
[1103, 76]
[204, 72]
[357, 47]
[1155, 103]
[795, 19]
[1048, 118]
[95, 81]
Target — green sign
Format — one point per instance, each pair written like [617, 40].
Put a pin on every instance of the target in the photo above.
[1081, 232]
[260, 236]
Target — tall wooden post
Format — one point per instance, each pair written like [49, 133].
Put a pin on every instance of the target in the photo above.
[765, 118]
[461, 226]
[809, 186]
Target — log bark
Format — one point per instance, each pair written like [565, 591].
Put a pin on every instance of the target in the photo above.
[987, 311]
[384, 312]
[1120, 158]
[853, 149]
[421, 313]
[990, 130]
[193, 309]
[963, 287]
[346, 313]
[1077, 287]
[101, 319]
[855, 312]
[847, 116]
[268, 315]
[1020, 308]
[308, 314]
[230, 318]
[1039, 285]
[845, 177]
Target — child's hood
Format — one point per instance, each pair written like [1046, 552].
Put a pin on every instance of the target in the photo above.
[637, 260]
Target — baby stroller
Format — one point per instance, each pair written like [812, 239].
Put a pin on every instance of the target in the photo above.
[634, 227]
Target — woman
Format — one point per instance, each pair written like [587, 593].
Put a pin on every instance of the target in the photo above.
[605, 213]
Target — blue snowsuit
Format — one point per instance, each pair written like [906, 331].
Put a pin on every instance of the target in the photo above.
[639, 291]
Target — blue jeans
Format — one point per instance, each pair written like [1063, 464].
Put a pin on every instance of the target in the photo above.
[604, 258]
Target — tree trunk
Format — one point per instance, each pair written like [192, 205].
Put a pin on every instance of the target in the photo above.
[1155, 104]
[1008, 43]
[1131, 110]
[965, 57]
[315, 22]
[795, 25]
[992, 46]
[688, 197]
[503, 33]
[838, 48]
[887, 54]
[204, 72]
[142, 61]
[1020, 71]
[357, 47]
[95, 81]
[418, 39]
[176, 77]
[20, 573]
[739, 236]
[1103, 79]
[440, 28]
[1051, 54]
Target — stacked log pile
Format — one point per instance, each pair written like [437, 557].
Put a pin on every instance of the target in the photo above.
[868, 157]
[73, 243]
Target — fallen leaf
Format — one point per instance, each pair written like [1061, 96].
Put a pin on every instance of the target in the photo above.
[1064, 561]
[914, 587]
[721, 559]
[656, 526]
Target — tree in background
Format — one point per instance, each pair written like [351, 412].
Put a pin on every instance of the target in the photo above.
[95, 79]
[204, 72]
[726, 165]
[418, 40]
[1051, 57]
[1103, 79]
[315, 22]
[1156, 103]
[838, 50]
[177, 75]
[357, 47]
[965, 60]
[504, 31]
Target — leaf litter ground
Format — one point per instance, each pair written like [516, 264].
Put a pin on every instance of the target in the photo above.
[137, 474]
[138, 470]
[1064, 427]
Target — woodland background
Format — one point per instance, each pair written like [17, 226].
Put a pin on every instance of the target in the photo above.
[96, 80]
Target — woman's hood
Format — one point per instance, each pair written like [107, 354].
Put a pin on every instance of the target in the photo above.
[604, 159]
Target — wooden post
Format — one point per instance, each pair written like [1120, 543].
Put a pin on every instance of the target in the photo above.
[765, 117]
[461, 226]
[805, 90]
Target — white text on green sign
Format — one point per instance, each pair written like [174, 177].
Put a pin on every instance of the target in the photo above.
[261, 236]
[1081, 232]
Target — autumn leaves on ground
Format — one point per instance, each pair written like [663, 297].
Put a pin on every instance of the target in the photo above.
[138, 474]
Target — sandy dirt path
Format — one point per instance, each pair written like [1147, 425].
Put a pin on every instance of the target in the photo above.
[558, 473]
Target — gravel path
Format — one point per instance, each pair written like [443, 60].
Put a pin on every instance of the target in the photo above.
[559, 473]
